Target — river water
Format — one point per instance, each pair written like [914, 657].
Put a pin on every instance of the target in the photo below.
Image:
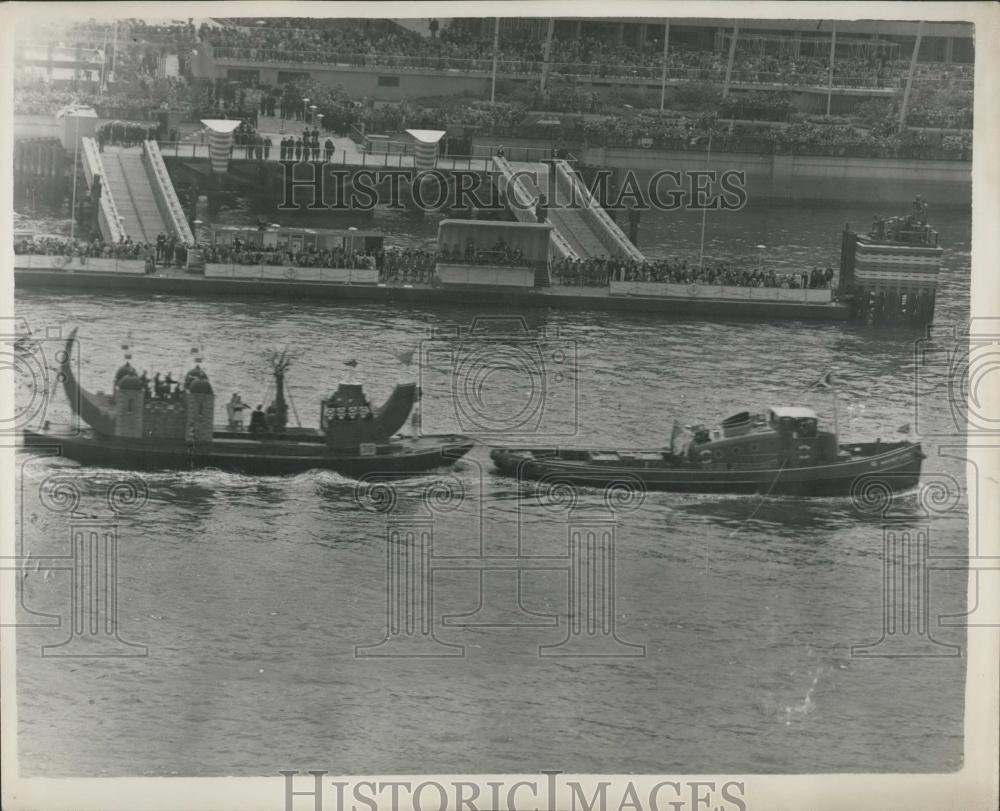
[252, 594]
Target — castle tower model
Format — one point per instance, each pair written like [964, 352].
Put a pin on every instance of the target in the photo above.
[200, 402]
[129, 405]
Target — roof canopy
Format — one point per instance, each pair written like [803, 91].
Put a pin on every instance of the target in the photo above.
[221, 125]
[427, 136]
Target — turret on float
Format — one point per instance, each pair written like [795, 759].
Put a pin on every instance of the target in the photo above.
[132, 412]
[890, 275]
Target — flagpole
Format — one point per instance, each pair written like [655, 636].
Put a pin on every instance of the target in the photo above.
[496, 48]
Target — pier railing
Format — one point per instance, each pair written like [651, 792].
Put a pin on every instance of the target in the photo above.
[340, 157]
[600, 222]
[523, 154]
[72, 264]
[807, 295]
[280, 273]
[649, 72]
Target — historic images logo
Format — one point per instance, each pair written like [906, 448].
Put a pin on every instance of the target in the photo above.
[38, 363]
[498, 378]
[496, 185]
[588, 565]
[548, 791]
[92, 509]
[954, 368]
[93, 512]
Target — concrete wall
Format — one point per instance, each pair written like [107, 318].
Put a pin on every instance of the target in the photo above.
[792, 178]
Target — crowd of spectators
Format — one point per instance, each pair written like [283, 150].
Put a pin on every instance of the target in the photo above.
[97, 248]
[407, 265]
[166, 252]
[125, 133]
[942, 99]
[600, 271]
[464, 45]
[805, 137]
[239, 253]
[500, 254]
[133, 100]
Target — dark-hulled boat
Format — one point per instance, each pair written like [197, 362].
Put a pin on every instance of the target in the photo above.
[134, 429]
[780, 451]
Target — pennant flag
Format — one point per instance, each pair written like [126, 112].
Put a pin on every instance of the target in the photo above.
[352, 363]
[406, 358]
[904, 428]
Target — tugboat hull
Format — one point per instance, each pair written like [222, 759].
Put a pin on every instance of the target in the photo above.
[254, 457]
[868, 469]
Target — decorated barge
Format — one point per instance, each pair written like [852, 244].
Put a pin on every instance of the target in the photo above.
[169, 426]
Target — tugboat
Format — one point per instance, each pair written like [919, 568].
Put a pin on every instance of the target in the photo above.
[778, 451]
[170, 428]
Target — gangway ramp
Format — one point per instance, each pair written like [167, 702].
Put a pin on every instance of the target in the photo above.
[139, 191]
[581, 228]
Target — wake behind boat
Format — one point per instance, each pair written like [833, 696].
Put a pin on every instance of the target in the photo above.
[780, 451]
[170, 426]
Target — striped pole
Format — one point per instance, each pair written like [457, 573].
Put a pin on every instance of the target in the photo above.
[220, 142]
[425, 148]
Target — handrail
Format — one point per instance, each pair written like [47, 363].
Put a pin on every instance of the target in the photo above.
[526, 214]
[108, 208]
[165, 190]
[606, 227]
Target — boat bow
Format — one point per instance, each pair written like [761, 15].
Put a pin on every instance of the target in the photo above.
[93, 409]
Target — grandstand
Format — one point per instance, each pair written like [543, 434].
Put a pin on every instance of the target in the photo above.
[646, 83]
[869, 56]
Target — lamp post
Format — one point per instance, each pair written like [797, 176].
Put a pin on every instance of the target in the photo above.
[312, 111]
[760, 258]
[304, 103]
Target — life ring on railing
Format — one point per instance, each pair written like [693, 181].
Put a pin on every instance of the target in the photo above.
[58, 261]
[289, 273]
[705, 456]
[693, 289]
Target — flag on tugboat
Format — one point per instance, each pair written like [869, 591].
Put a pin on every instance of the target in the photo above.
[904, 429]
[406, 358]
[676, 432]
[830, 383]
